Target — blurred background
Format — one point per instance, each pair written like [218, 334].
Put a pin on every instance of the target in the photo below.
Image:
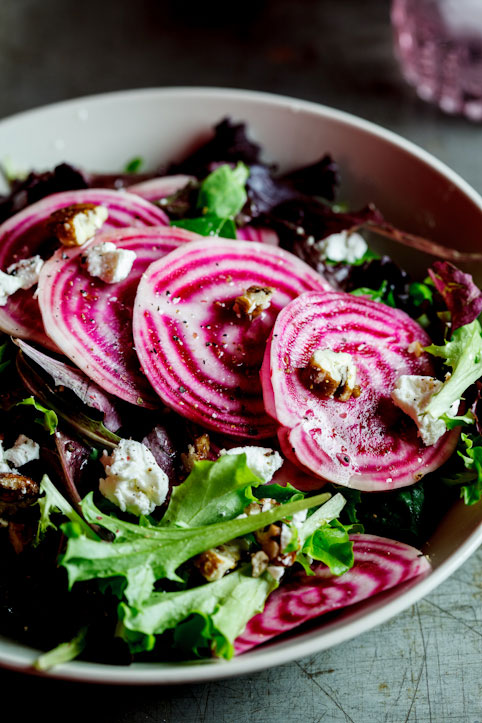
[337, 52]
[425, 664]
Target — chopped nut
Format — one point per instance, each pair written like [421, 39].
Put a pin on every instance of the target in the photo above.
[76, 224]
[214, 564]
[16, 491]
[333, 374]
[253, 302]
[195, 452]
[259, 563]
[415, 348]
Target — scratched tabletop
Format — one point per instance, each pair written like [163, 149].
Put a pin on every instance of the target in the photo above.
[426, 664]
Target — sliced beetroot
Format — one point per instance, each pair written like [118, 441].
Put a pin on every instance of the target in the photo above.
[27, 234]
[156, 188]
[202, 359]
[379, 565]
[258, 233]
[66, 376]
[366, 442]
[90, 321]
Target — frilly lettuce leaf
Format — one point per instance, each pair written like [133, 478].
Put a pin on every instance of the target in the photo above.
[52, 502]
[143, 553]
[213, 491]
[207, 619]
[463, 353]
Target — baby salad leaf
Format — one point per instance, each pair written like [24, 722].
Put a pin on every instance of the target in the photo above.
[223, 192]
[331, 544]
[471, 490]
[462, 296]
[134, 165]
[49, 420]
[464, 354]
[207, 619]
[143, 553]
[63, 652]
[213, 491]
[52, 502]
[86, 426]
[208, 226]
[221, 197]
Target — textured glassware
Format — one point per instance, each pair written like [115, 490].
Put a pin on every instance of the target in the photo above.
[439, 46]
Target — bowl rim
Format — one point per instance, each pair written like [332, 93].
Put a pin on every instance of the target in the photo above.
[19, 658]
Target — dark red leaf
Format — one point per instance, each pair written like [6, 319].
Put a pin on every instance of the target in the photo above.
[462, 296]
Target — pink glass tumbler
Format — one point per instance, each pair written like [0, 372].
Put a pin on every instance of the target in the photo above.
[439, 45]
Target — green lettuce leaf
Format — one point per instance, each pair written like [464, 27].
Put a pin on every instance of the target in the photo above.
[214, 491]
[463, 353]
[471, 489]
[52, 502]
[208, 225]
[331, 544]
[206, 619]
[144, 553]
[221, 197]
[223, 192]
[49, 419]
[63, 652]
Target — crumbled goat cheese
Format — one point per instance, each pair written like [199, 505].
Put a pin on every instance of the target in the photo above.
[412, 393]
[213, 564]
[262, 461]
[259, 563]
[76, 224]
[21, 275]
[253, 302]
[23, 451]
[27, 271]
[4, 466]
[343, 246]
[109, 263]
[134, 481]
[333, 374]
[276, 571]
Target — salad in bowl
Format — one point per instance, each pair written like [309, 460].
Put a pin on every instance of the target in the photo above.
[224, 414]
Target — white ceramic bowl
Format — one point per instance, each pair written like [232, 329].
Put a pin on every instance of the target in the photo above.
[413, 190]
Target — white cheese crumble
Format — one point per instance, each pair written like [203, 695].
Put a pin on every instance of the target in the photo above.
[334, 372]
[134, 481]
[343, 246]
[23, 451]
[412, 393]
[21, 275]
[262, 461]
[109, 263]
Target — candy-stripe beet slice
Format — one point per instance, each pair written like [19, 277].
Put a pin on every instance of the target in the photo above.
[91, 321]
[365, 442]
[258, 233]
[202, 359]
[26, 234]
[379, 565]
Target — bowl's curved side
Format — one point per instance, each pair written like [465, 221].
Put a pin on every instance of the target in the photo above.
[412, 188]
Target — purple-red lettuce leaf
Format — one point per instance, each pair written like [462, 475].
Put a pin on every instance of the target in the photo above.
[462, 297]
[36, 186]
[229, 144]
[88, 392]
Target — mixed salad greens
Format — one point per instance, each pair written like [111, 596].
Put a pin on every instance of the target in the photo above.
[218, 405]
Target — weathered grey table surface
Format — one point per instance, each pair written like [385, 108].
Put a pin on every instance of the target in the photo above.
[425, 665]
